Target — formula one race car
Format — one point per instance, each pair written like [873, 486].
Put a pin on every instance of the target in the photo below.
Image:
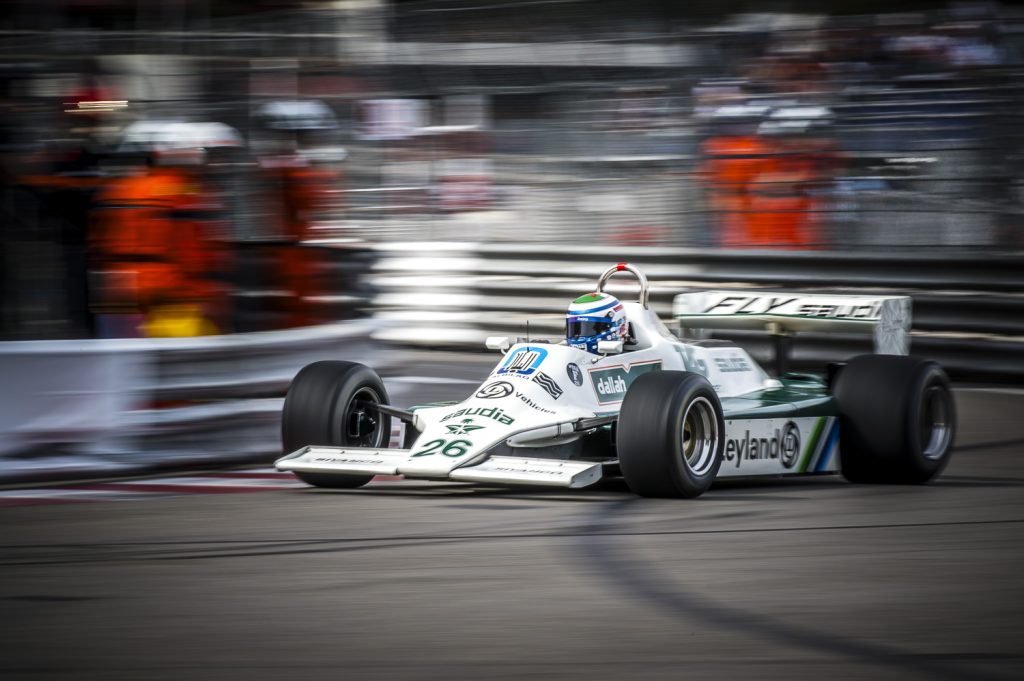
[667, 415]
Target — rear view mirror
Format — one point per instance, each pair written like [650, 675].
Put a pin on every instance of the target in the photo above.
[498, 343]
[609, 347]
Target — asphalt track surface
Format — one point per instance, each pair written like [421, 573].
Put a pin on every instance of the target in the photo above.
[786, 579]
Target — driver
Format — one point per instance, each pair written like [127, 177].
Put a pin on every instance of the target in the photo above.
[594, 317]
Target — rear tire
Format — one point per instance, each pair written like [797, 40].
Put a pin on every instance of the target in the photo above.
[325, 406]
[897, 419]
[670, 435]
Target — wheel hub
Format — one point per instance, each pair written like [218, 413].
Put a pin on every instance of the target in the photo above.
[936, 422]
[700, 436]
[361, 420]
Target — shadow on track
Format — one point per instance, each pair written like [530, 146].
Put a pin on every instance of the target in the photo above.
[625, 572]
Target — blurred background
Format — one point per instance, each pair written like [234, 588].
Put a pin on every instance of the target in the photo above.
[167, 164]
[429, 171]
[199, 197]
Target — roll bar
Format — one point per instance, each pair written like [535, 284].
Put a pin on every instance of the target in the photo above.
[645, 290]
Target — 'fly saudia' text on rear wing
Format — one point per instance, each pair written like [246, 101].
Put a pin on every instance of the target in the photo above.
[887, 318]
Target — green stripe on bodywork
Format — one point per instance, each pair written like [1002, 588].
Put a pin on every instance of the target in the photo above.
[811, 445]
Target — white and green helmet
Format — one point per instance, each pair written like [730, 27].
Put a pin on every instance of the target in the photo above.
[594, 317]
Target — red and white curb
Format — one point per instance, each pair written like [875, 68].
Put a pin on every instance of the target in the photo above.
[233, 482]
[226, 482]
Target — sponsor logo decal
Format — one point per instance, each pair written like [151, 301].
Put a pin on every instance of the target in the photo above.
[794, 306]
[748, 305]
[732, 364]
[523, 362]
[611, 383]
[534, 471]
[487, 412]
[575, 373]
[784, 445]
[530, 403]
[549, 385]
[841, 311]
[495, 390]
[691, 362]
[463, 428]
[790, 445]
[341, 459]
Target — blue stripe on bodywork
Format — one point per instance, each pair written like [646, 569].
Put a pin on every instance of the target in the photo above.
[829, 448]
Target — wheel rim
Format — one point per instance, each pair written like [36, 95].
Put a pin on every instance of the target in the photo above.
[361, 424]
[700, 436]
[936, 422]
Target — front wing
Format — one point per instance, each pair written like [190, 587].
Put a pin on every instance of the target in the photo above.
[496, 469]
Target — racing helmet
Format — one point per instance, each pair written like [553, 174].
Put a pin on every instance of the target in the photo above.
[594, 317]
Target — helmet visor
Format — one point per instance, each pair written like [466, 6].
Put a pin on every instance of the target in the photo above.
[583, 328]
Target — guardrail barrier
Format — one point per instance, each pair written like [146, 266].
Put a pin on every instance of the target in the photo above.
[968, 309]
[116, 406]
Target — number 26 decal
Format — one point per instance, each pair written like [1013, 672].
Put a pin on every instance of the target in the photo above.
[454, 449]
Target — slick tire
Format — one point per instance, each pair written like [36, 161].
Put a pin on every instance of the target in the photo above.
[325, 405]
[670, 435]
[897, 419]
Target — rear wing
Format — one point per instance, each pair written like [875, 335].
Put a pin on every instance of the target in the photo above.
[886, 318]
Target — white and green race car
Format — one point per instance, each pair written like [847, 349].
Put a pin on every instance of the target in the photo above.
[668, 415]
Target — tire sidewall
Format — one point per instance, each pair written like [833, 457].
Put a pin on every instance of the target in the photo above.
[650, 435]
[317, 401]
[882, 407]
[689, 391]
[919, 464]
[315, 409]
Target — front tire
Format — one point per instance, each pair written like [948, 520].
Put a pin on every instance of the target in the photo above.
[898, 419]
[670, 435]
[326, 405]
